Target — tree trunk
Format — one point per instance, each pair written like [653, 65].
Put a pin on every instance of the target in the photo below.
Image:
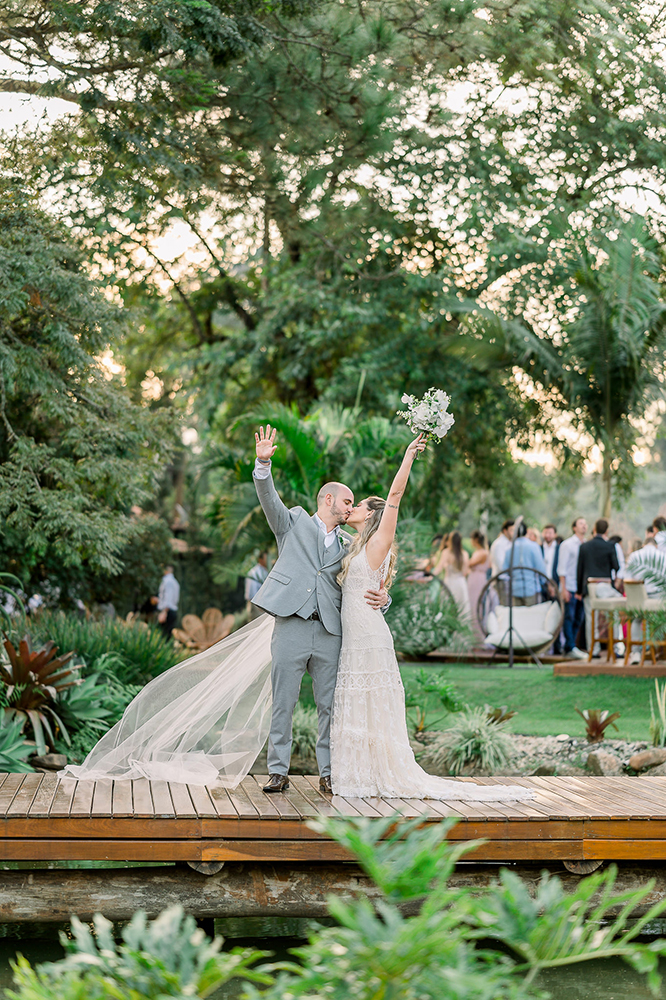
[606, 485]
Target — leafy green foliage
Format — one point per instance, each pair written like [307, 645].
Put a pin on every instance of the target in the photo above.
[133, 652]
[421, 939]
[658, 718]
[597, 722]
[423, 688]
[305, 730]
[379, 952]
[602, 362]
[425, 617]
[75, 453]
[472, 738]
[166, 957]
[499, 714]
[14, 748]
[30, 685]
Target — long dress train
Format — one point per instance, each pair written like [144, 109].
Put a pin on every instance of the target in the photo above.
[370, 750]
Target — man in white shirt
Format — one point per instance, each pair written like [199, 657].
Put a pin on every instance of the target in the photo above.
[568, 574]
[167, 602]
[498, 551]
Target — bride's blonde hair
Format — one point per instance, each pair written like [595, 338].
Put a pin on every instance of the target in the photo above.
[376, 507]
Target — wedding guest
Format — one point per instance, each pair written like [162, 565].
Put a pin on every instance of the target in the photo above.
[653, 556]
[527, 556]
[167, 602]
[596, 558]
[498, 550]
[479, 564]
[253, 582]
[567, 570]
[453, 562]
[551, 550]
[499, 547]
[616, 540]
[534, 536]
[550, 547]
[659, 526]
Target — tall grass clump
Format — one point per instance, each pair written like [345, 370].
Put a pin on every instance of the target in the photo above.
[474, 739]
[139, 653]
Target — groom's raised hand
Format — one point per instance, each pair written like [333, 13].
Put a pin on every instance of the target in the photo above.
[266, 447]
[377, 598]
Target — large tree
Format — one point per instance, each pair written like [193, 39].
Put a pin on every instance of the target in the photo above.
[594, 350]
[350, 178]
[75, 453]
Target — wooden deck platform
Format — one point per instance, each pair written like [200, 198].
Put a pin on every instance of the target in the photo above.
[570, 818]
[596, 668]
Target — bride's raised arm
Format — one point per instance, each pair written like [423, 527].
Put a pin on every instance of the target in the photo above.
[379, 545]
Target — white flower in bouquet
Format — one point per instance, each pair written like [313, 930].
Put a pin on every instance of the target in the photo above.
[430, 415]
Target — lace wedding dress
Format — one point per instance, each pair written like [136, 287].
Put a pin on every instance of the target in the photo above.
[370, 751]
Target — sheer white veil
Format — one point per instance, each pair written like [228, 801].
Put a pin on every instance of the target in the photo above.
[203, 721]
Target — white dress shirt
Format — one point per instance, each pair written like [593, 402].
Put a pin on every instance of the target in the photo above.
[568, 562]
[549, 550]
[169, 593]
[498, 551]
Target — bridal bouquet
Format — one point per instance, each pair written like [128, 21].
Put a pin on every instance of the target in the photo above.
[429, 415]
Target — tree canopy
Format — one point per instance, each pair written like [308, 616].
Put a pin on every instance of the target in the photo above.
[75, 453]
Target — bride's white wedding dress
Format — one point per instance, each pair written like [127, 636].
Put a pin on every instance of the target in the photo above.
[206, 720]
[370, 750]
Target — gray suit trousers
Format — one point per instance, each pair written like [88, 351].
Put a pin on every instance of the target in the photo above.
[298, 645]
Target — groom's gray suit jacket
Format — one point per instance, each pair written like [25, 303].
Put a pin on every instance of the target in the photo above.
[303, 578]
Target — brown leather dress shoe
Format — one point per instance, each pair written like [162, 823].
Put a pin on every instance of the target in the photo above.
[325, 784]
[277, 783]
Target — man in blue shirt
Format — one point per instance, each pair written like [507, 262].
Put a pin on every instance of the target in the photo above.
[528, 557]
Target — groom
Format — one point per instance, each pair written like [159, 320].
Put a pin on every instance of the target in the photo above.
[303, 595]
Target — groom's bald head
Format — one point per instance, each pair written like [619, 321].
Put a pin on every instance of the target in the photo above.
[334, 503]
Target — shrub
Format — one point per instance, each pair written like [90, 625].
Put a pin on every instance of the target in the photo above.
[30, 683]
[140, 653]
[14, 748]
[166, 957]
[90, 709]
[597, 722]
[424, 617]
[305, 730]
[375, 951]
[429, 684]
[472, 739]
[658, 721]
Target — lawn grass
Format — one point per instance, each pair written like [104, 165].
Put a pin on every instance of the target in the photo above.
[545, 704]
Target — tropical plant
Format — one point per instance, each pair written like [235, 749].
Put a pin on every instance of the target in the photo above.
[597, 722]
[138, 653]
[422, 689]
[472, 739]
[658, 719]
[197, 633]
[14, 748]
[376, 951]
[11, 606]
[423, 939]
[501, 714]
[165, 957]
[425, 617]
[604, 364]
[305, 730]
[32, 682]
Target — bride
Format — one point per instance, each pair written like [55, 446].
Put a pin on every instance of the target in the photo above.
[206, 719]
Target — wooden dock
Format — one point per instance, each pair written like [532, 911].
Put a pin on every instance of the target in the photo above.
[602, 668]
[570, 818]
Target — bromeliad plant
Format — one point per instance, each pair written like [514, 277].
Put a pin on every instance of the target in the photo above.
[597, 722]
[31, 683]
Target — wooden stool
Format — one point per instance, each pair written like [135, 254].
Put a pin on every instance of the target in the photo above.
[609, 606]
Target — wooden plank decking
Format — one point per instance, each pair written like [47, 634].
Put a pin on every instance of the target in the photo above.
[42, 818]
